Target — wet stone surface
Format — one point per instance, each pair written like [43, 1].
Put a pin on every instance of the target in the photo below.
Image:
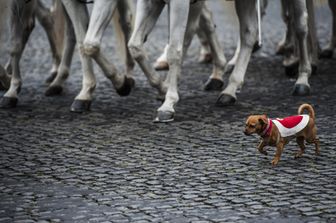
[114, 165]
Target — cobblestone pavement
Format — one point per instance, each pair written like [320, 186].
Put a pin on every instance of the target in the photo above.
[114, 165]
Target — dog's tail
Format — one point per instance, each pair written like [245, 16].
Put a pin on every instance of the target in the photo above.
[309, 108]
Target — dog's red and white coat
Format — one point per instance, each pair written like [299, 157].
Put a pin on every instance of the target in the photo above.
[288, 126]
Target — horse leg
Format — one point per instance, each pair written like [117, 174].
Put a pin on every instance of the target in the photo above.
[247, 15]
[286, 45]
[207, 25]
[313, 44]
[184, 19]
[22, 24]
[146, 17]
[79, 17]
[125, 20]
[5, 9]
[328, 52]
[56, 86]
[299, 10]
[205, 55]
[231, 64]
[101, 16]
[53, 23]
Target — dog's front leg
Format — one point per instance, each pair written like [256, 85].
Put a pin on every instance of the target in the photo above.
[261, 147]
[279, 150]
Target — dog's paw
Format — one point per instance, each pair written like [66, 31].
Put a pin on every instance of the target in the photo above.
[298, 155]
[275, 162]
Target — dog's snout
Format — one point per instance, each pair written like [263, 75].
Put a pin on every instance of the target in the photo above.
[246, 132]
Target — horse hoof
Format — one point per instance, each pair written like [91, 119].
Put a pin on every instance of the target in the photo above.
[8, 102]
[53, 90]
[225, 100]
[51, 77]
[161, 65]
[164, 117]
[80, 106]
[326, 54]
[213, 85]
[301, 90]
[256, 47]
[127, 87]
[229, 68]
[292, 70]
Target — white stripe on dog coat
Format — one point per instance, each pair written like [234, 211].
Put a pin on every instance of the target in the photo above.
[289, 126]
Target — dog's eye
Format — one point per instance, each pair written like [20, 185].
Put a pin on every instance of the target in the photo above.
[252, 126]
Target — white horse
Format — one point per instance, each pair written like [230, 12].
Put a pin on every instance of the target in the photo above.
[247, 14]
[22, 23]
[89, 32]
[184, 18]
[205, 55]
[22, 19]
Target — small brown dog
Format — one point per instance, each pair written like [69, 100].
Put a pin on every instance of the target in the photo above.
[278, 132]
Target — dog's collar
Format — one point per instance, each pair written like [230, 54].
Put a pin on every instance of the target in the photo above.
[267, 130]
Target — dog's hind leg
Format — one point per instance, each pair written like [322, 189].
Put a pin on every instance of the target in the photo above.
[316, 141]
[300, 142]
[312, 138]
[317, 146]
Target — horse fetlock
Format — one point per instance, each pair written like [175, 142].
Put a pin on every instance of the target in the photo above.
[303, 79]
[88, 87]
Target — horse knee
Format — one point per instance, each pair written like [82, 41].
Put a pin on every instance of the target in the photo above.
[301, 28]
[135, 50]
[90, 48]
[249, 35]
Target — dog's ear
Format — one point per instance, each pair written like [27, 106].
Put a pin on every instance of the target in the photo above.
[263, 120]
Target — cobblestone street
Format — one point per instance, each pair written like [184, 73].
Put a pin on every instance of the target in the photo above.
[114, 164]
